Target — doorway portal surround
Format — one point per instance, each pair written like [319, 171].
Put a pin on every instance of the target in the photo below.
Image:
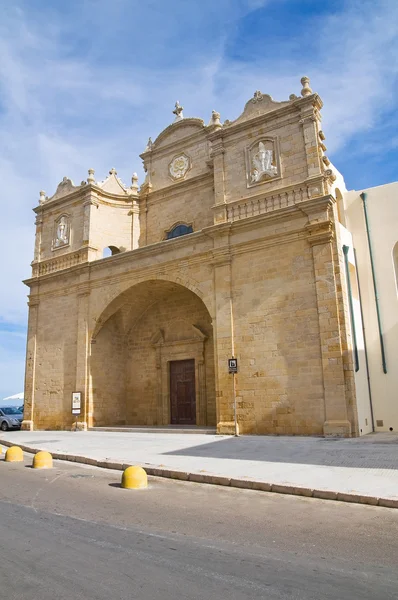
[187, 349]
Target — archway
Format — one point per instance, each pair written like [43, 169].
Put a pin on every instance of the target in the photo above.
[152, 360]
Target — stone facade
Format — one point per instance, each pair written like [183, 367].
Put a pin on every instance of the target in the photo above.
[258, 276]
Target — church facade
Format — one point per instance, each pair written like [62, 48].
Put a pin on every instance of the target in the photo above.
[231, 248]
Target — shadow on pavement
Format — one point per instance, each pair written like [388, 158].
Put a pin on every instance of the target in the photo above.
[376, 453]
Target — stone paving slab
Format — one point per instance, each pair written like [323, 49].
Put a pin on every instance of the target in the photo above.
[365, 467]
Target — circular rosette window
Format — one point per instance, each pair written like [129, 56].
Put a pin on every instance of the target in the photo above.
[179, 166]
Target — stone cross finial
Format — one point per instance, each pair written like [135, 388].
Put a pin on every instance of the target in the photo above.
[42, 198]
[178, 112]
[113, 171]
[91, 178]
[306, 91]
[134, 183]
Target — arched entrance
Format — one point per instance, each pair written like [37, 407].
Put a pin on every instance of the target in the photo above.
[152, 360]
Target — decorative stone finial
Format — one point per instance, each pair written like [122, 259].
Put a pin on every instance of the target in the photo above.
[91, 178]
[42, 197]
[306, 91]
[257, 96]
[149, 145]
[113, 171]
[293, 97]
[215, 119]
[134, 183]
[178, 112]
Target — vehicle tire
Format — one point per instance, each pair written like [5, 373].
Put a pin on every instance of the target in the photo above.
[4, 426]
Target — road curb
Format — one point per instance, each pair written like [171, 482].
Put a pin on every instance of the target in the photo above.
[209, 479]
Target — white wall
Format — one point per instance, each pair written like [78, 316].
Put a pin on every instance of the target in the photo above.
[361, 375]
[382, 205]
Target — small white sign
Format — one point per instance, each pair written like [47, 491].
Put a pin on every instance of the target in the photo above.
[76, 403]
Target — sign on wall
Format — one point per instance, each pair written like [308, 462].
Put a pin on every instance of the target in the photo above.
[232, 365]
[76, 403]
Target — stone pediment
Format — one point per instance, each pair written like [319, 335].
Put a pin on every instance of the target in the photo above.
[65, 187]
[113, 185]
[178, 131]
[258, 105]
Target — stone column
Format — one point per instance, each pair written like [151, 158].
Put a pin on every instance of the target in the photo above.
[320, 237]
[30, 366]
[83, 356]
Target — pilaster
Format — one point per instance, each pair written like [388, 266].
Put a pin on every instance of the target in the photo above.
[309, 119]
[83, 354]
[30, 365]
[223, 331]
[217, 154]
[320, 236]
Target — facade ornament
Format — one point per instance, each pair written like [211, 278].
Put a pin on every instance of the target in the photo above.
[179, 167]
[306, 91]
[261, 164]
[293, 97]
[178, 112]
[91, 178]
[326, 160]
[134, 183]
[42, 198]
[307, 119]
[149, 145]
[321, 135]
[62, 233]
[215, 119]
[329, 174]
[257, 96]
[113, 171]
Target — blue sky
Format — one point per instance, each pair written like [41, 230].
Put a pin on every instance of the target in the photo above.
[84, 83]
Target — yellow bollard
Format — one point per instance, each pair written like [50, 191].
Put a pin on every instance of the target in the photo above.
[14, 454]
[134, 478]
[42, 460]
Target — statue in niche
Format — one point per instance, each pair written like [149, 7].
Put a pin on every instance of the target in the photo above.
[262, 164]
[62, 237]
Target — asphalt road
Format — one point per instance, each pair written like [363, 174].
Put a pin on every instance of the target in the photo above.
[72, 533]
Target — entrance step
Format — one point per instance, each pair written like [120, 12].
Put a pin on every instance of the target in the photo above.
[167, 429]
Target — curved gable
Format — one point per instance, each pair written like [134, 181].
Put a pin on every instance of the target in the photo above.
[178, 131]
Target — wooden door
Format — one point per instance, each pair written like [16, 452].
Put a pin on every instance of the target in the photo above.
[182, 392]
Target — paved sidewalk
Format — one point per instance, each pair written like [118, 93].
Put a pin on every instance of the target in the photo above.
[366, 466]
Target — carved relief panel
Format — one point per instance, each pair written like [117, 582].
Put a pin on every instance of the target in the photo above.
[61, 237]
[262, 161]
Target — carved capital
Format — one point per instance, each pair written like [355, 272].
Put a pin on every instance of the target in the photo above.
[33, 302]
[307, 119]
[320, 232]
[217, 148]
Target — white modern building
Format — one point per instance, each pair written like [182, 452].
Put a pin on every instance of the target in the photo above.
[371, 217]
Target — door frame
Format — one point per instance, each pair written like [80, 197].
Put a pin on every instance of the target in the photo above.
[193, 380]
[166, 352]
